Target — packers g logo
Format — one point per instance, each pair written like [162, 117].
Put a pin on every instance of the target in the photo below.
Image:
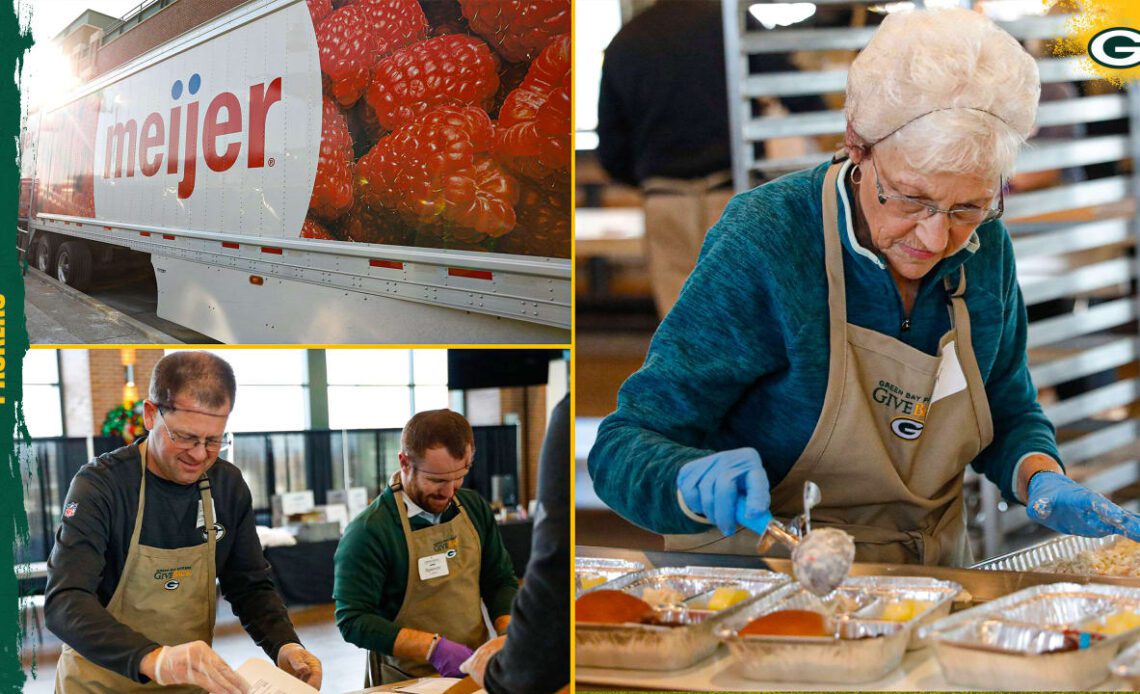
[1118, 47]
[907, 428]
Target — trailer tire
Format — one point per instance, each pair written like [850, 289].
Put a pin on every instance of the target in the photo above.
[73, 264]
[43, 253]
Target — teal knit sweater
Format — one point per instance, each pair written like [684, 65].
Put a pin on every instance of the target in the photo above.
[742, 358]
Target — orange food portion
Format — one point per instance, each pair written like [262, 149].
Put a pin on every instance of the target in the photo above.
[787, 623]
[610, 607]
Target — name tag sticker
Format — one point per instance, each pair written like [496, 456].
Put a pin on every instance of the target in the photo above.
[433, 566]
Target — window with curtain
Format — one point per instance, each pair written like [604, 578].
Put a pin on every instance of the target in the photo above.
[42, 396]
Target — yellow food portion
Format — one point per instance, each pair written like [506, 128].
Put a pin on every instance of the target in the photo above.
[724, 598]
[1117, 623]
[588, 581]
[904, 610]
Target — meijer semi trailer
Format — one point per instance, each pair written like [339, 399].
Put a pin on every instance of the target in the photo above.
[325, 172]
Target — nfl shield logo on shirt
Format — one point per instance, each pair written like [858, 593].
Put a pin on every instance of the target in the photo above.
[70, 508]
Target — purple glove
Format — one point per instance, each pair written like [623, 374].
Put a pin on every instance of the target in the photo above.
[447, 656]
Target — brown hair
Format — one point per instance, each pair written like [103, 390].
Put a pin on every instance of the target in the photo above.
[203, 377]
[434, 428]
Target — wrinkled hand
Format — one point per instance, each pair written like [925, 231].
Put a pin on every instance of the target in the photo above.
[298, 662]
[447, 656]
[477, 665]
[1058, 502]
[197, 664]
[727, 487]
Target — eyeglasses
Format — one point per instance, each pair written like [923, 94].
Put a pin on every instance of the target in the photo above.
[909, 208]
[181, 441]
[433, 478]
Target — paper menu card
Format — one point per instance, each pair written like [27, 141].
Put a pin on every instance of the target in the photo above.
[264, 678]
[428, 685]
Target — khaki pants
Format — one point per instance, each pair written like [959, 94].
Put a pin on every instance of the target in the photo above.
[678, 213]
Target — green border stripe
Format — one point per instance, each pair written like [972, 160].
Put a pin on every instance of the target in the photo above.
[14, 42]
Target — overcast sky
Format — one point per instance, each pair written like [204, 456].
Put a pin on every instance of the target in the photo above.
[47, 18]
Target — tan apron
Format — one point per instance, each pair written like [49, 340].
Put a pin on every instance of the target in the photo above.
[168, 595]
[449, 605]
[897, 429]
[678, 214]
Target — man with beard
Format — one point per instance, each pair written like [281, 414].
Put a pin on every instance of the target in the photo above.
[412, 568]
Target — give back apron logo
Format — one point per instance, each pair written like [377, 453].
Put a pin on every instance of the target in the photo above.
[172, 575]
[910, 422]
[913, 408]
[449, 547]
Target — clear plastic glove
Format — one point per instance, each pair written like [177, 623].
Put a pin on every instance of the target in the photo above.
[476, 665]
[298, 662]
[727, 487]
[1058, 502]
[197, 664]
[447, 656]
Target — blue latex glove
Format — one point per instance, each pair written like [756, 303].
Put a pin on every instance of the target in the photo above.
[1058, 502]
[727, 487]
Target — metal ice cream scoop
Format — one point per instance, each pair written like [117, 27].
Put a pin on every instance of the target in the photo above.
[821, 559]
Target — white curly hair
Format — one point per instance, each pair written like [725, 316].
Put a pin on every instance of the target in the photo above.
[947, 88]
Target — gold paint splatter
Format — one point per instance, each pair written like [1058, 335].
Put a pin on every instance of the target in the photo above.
[1087, 19]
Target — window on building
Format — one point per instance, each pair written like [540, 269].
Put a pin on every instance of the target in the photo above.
[379, 389]
[596, 22]
[43, 406]
[273, 389]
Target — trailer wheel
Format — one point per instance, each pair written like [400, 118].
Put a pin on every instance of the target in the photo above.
[73, 264]
[43, 253]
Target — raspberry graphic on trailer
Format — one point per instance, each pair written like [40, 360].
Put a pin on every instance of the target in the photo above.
[518, 29]
[446, 70]
[319, 9]
[332, 189]
[355, 37]
[312, 229]
[438, 172]
[533, 138]
[543, 223]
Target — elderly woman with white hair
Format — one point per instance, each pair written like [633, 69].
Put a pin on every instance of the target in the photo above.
[859, 325]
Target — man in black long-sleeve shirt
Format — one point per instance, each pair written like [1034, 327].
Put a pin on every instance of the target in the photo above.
[535, 655]
[118, 590]
[663, 126]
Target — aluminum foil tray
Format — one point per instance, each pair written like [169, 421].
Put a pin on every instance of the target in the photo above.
[587, 570]
[656, 647]
[1127, 666]
[1054, 636]
[939, 592]
[868, 645]
[1044, 556]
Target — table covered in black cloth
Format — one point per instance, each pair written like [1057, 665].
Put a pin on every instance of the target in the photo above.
[303, 572]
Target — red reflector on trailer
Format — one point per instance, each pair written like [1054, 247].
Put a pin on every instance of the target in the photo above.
[390, 264]
[473, 274]
[144, 233]
[256, 280]
[230, 244]
[268, 249]
[168, 237]
[107, 228]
